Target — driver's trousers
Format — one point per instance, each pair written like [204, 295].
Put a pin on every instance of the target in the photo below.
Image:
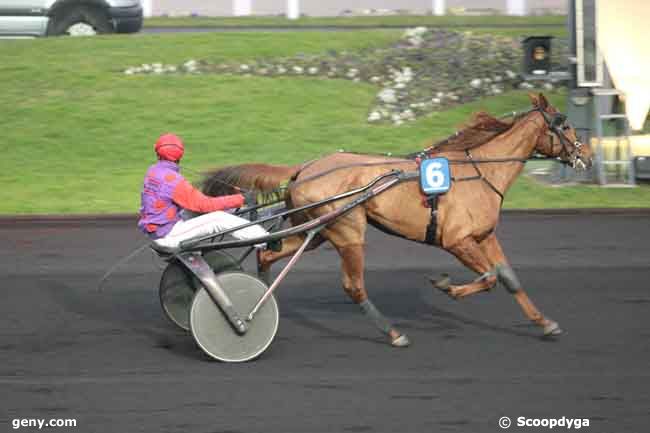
[208, 224]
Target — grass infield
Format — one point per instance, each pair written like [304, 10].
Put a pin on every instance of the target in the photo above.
[78, 133]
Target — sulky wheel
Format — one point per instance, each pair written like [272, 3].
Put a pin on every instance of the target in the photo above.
[214, 334]
[177, 286]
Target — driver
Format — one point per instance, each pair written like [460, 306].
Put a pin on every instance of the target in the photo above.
[166, 193]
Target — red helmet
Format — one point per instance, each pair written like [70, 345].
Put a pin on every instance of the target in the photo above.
[170, 147]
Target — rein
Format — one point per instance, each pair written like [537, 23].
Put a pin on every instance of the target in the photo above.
[483, 178]
[554, 122]
[470, 160]
[341, 167]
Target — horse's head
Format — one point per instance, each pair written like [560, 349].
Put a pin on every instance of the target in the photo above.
[559, 138]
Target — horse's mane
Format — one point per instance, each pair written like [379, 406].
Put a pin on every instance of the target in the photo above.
[482, 128]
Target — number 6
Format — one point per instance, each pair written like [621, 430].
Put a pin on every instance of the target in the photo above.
[435, 176]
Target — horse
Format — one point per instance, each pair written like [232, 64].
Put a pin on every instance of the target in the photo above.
[485, 158]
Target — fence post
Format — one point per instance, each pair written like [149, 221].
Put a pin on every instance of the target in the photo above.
[147, 8]
[241, 8]
[293, 9]
[516, 7]
[438, 7]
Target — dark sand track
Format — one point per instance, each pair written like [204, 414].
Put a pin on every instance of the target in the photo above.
[113, 362]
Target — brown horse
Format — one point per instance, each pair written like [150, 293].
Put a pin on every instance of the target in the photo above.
[485, 159]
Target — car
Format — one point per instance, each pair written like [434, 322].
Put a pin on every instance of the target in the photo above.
[69, 17]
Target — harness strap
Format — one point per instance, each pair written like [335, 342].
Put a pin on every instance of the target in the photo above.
[483, 178]
[430, 237]
[461, 179]
[300, 170]
[295, 182]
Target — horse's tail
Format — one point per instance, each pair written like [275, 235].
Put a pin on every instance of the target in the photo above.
[259, 177]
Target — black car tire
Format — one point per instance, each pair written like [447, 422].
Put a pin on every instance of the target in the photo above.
[66, 18]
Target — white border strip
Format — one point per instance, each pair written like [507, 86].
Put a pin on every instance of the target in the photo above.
[580, 50]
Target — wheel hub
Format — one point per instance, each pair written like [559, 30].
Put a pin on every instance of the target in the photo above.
[81, 29]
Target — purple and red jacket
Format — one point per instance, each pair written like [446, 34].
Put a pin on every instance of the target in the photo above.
[166, 192]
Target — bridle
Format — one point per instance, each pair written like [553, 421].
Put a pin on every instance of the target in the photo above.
[557, 123]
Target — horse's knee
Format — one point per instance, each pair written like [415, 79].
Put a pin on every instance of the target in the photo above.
[508, 278]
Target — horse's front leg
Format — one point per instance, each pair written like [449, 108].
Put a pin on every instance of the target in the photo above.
[471, 255]
[354, 285]
[493, 251]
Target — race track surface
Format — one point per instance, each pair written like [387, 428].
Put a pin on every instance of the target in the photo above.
[112, 361]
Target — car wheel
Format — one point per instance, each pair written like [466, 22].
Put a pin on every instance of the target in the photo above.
[80, 21]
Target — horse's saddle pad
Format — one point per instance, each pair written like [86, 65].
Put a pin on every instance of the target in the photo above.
[435, 177]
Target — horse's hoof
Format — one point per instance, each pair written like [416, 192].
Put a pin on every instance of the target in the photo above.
[443, 283]
[401, 341]
[552, 329]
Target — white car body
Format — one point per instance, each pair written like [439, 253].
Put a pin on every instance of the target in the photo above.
[34, 17]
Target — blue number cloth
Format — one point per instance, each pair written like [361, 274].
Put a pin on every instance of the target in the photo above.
[434, 176]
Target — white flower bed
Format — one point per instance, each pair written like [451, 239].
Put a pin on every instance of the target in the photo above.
[387, 96]
[427, 70]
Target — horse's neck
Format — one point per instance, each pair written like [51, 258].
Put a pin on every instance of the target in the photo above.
[517, 143]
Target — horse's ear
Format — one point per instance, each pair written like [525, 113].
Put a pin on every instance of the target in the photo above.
[534, 100]
[543, 102]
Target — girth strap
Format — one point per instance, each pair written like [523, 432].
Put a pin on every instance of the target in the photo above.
[430, 237]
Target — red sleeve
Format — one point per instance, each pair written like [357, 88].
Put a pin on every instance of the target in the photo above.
[188, 197]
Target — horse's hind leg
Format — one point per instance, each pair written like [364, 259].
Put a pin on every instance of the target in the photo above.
[354, 286]
[492, 250]
[471, 255]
